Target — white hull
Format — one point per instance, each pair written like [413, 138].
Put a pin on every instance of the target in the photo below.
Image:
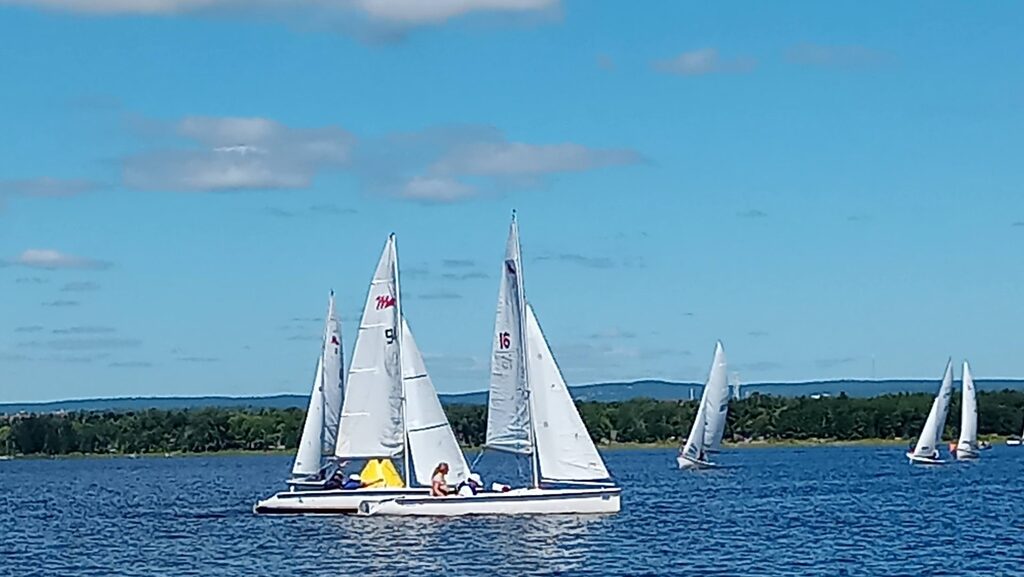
[688, 463]
[1013, 442]
[515, 502]
[915, 459]
[962, 454]
[330, 502]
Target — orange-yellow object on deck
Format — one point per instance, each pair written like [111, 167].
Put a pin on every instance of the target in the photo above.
[381, 473]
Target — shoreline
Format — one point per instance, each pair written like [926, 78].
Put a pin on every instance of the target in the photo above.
[765, 444]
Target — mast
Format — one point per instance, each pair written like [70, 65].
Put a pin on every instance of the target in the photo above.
[323, 359]
[521, 295]
[407, 470]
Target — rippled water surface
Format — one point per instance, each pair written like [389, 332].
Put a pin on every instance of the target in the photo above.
[817, 511]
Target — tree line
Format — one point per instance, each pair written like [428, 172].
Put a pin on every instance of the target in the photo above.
[757, 418]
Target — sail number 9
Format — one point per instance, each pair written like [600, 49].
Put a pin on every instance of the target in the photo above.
[389, 336]
[504, 340]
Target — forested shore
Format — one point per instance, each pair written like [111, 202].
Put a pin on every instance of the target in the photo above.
[759, 418]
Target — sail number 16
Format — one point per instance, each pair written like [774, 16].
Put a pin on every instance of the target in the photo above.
[504, 340]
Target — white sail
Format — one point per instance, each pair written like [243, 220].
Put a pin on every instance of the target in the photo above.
[931, 435]
[431, 439]
[968, 414]
[694, 447]
[508, 419]
[709, 423]
[717, 401]
[371, 415]
[307, 458]
[333, 385]
[565, 451]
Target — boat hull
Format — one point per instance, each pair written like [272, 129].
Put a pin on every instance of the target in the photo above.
[1014, 442]
[685, 462]
[919, 460]
[603, 500]
[963, 453]
[330, 502]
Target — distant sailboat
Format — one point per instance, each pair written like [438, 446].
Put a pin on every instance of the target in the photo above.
[709, 424]
[926, 451]
[530, 413]
[390, 410]
[320, 430]
[967, 446]
[1015, 441]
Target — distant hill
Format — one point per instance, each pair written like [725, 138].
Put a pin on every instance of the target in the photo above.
[661, 390]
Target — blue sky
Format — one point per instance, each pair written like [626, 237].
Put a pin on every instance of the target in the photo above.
[825, 187]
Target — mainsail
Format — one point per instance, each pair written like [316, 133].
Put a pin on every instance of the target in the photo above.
[931, 435]
[307, 458]
[717, 401]
[332, 366]
[968, 414]
[564, 449]
[508, 419]
[371, 415]
[431, 439]
[709, 423]
[320, 430]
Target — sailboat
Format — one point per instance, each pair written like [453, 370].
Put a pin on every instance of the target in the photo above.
[529, 413]
[709, 424]
[967, 446]
[926, 451]
[315, 454]
[390, 410]
[1015, 441]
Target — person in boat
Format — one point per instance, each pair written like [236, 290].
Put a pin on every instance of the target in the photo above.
[438, 482]
[471, 486]
[353, 482]
[336, 480]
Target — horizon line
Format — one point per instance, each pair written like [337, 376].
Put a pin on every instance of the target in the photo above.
[479, 391]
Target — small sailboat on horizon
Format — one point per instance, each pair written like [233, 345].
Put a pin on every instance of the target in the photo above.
[926, 451]
[709, 423]
[529, 413]
[390, 410]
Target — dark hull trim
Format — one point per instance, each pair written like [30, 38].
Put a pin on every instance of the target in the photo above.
[318, 511]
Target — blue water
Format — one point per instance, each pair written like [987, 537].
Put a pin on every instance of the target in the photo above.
[815, 511]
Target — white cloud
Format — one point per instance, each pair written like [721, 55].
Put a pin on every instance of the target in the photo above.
[43, 258]
[704, 61]
[405, 13]
[436, 189]
[447, 164]
[225, 154]
[419, 12]
[501, 158]
[151, 7]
